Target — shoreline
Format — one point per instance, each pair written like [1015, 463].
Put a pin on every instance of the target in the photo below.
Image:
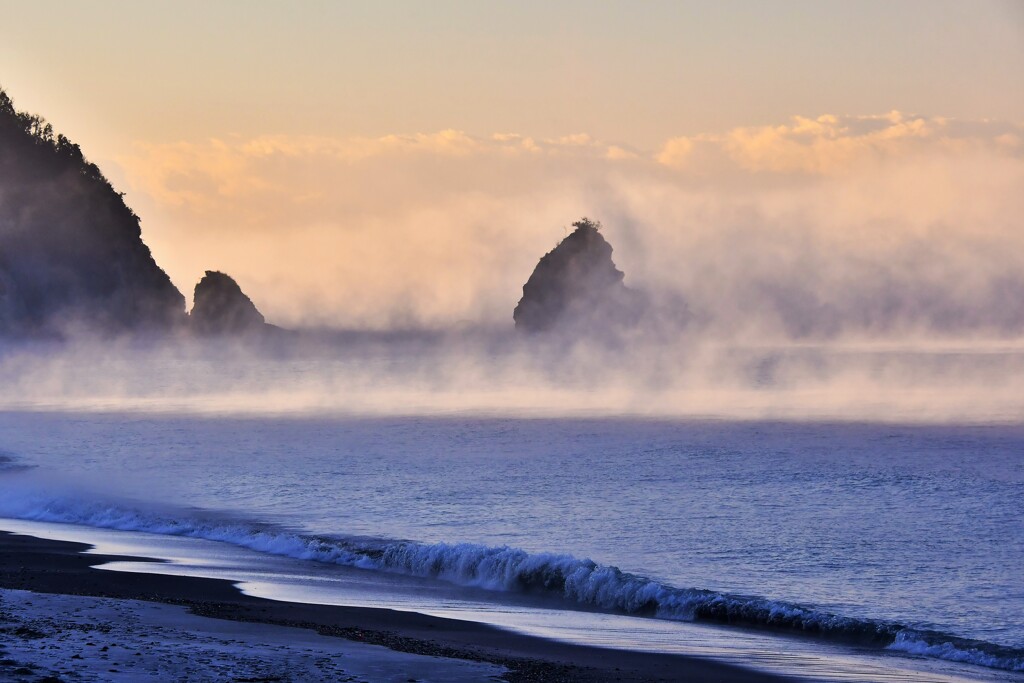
[28, 563]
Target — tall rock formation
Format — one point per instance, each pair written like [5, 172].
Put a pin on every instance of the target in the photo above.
[71, 251]
[220, 307]
[576, 285]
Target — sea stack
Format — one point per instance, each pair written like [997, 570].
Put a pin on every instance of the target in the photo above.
[576, 285]
[220, 307]
[71, 251]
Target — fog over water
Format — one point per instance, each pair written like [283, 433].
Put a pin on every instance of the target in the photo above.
[842, 267]
[495, 373]
[834, 226]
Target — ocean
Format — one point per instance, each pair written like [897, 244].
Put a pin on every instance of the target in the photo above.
[818, 547]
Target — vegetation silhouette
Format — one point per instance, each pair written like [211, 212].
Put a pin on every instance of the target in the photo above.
[71, 250]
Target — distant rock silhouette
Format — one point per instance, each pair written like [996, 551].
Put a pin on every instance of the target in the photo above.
[71, 251]
[220, 307]
[577, 285]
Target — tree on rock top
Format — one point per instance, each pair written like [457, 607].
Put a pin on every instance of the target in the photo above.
[220, 307]
[575, 284]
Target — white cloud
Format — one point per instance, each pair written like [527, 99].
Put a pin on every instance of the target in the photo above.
[834, 144]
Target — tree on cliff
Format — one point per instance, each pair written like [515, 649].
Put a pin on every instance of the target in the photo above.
[71, 251]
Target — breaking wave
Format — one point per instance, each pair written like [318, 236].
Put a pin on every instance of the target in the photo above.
[580, 581]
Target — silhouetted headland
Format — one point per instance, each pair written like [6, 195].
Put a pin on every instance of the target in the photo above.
[71, 251]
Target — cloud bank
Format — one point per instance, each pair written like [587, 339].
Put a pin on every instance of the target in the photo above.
[858, 226]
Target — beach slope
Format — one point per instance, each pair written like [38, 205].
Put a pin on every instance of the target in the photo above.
[87, 614]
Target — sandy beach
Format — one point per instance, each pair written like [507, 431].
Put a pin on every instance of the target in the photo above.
[63, 620]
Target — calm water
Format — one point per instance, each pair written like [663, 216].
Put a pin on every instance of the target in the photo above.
[909, 535]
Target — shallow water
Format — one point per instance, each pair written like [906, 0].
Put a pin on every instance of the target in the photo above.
[908, 534]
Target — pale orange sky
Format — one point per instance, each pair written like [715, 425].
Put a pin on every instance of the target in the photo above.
[112, 72]
[408, 162]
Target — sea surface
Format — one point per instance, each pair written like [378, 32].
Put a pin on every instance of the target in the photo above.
[880, 543]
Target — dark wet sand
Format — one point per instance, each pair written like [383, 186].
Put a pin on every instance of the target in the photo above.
[44, 566]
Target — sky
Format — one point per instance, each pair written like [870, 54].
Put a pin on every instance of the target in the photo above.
[406, 163]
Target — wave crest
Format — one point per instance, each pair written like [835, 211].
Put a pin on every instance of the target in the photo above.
[579, 581]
